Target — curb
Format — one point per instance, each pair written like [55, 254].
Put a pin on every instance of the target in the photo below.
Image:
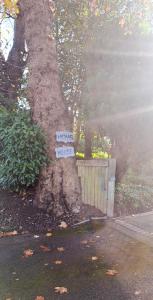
[132, 231]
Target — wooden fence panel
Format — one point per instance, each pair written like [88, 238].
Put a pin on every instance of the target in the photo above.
[98, 183]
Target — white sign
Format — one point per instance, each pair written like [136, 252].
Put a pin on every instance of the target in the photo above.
[64, 152]
[64, 136]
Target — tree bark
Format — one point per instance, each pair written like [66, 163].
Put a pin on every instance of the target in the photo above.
[58, 189]
[119, 151]
[88, 141]
[77, 134]
[15, 63]
[12, 68]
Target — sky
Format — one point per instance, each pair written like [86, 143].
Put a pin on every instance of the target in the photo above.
[6, 36]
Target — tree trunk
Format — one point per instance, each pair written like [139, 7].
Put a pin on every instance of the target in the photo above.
[88, 141]
[77, 134]
[58, 189]
[15, 63]
[12, 68]
[119, 151]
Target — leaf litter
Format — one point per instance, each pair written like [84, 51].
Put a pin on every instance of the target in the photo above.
[58, 262]
[61, 290]
[63, 225]
[49, 234]
[60, 249]
[111, 272]
[28, 253]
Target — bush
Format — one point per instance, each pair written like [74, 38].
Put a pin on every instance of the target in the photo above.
[22, 150]
[133, 198]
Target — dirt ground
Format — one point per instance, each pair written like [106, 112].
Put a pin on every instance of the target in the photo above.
[18, 213]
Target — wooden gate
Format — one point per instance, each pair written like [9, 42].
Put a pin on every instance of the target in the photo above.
[98, 183]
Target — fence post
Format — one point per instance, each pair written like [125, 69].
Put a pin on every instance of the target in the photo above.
[111, 187]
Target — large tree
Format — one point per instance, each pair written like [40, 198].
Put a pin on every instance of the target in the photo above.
[58, 189]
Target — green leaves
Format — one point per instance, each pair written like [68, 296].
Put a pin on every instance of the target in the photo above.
[22, 150]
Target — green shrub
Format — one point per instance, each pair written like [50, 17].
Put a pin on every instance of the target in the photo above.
[22, 150]
[133, 198]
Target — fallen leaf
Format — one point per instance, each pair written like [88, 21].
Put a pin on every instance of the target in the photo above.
[11, 233]
[93, 258]
[60, 249]
[57, 262]
[111, 272]
[61, 290]
[36, 236]
[49, 234]
[45, 248]
[92, 241]
[28, 253]
[40, 298]
[137, 293]
[84, 242]
[63, 225]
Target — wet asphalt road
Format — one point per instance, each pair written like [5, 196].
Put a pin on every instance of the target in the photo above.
[85, 279]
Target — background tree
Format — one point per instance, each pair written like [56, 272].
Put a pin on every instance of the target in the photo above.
[13, 65]
[119, 86]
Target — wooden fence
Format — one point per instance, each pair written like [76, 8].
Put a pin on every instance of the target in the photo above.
[98, 183]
